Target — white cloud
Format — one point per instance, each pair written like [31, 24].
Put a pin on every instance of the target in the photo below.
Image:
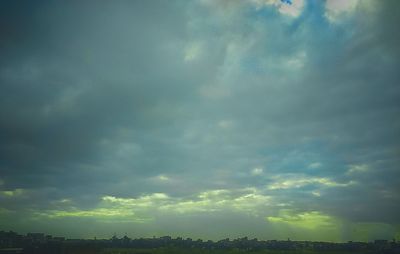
[314, 165]
[297, 61]
[13, 193]
[257, 171]
[161, 179]
[225, 124]
[192, 51]
[357, 168]
[142, 201]
[295, 181]
[336, 9]
[316, 193]
[144, 208]
[292, 9]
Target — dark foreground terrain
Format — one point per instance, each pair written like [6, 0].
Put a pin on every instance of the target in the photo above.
[39, 243]
[174, 250]
[231, 251]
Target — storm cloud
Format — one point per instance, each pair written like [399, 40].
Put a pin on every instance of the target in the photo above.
[203, 118]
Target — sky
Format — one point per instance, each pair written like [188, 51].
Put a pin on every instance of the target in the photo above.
[203, 118]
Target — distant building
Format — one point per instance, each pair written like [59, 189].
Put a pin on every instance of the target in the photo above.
[12, 251]
[381, 242]
[36, 237]
[59, 239]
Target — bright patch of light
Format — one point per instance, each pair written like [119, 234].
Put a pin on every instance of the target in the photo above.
[192, 51]
[257, 171]
[12, 193]
[293, 181]
[307, 219]
[357, 169]
[315, 165]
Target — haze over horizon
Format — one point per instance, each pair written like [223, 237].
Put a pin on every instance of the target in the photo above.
[203, 118]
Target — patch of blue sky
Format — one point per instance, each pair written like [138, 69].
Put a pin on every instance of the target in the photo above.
[265, 13]
[299, 158]
[312, 18]
[290, 2]
[317, 23]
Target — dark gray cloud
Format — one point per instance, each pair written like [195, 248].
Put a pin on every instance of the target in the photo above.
[129, 99]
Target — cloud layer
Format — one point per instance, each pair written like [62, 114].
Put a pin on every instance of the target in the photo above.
[271, 119]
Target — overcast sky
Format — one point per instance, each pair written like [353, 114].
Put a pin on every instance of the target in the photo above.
[203, 118]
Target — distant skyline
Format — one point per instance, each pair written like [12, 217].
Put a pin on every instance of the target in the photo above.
[210, 119]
